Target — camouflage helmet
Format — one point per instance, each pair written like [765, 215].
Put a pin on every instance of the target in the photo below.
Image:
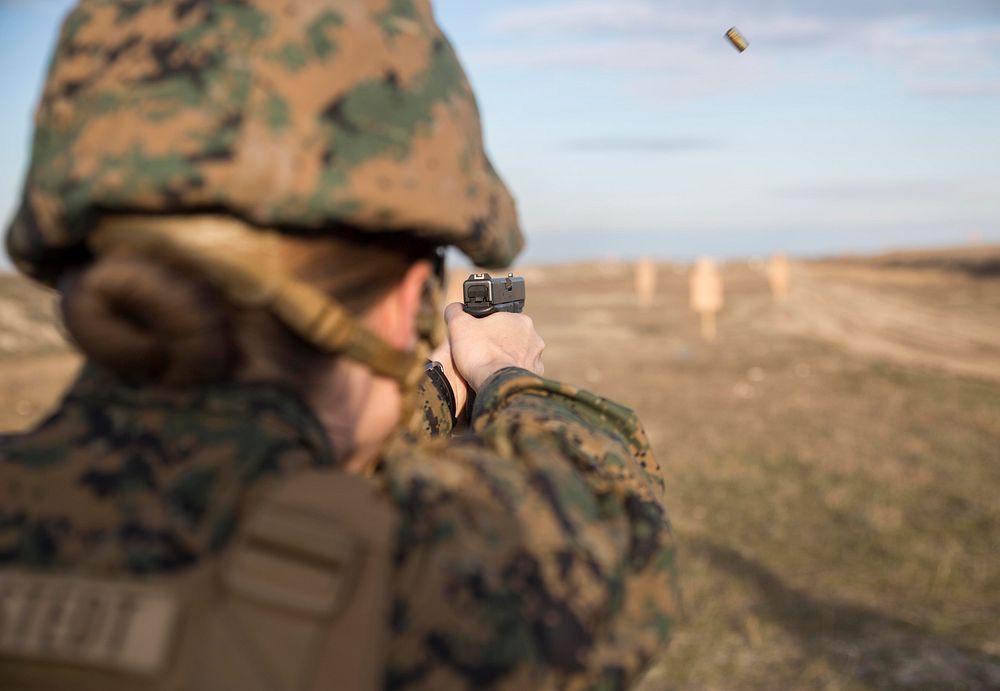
[299, 115]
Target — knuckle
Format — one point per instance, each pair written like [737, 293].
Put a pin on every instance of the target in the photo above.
[452, 311]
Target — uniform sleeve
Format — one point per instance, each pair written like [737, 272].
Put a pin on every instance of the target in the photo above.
[536, 551]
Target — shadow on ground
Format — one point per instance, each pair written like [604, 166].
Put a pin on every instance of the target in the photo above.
[875, 649]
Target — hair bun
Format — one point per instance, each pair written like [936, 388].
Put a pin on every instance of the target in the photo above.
[150, 321]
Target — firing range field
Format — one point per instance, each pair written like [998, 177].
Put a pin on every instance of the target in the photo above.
[833, 462]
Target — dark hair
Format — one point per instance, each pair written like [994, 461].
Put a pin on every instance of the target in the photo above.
[160, 322]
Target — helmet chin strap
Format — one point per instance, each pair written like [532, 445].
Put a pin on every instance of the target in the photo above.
[243, 262]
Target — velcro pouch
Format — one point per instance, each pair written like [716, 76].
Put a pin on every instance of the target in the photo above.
[306, 589]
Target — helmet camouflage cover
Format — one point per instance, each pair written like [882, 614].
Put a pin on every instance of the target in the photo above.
[300, 115]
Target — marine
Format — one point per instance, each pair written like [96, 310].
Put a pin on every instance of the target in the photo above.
[279, 467]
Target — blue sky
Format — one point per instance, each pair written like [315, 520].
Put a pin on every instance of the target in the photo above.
[631, 127]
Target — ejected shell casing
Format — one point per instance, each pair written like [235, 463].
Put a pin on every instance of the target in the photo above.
[736, 38]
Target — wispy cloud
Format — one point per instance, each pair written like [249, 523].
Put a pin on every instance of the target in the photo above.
[639, 54]
[589, 17]
[926, 42]
[644, 144]
[958, 88]
[32, 4]
[603, 16]
[921, 47]
[870, 190]
[644, 18]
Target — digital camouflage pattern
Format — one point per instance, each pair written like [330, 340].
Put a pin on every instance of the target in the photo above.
[293, 114]
[122, 479]
[534, 550]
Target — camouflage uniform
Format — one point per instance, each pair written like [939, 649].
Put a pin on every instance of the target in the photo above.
[531, 552]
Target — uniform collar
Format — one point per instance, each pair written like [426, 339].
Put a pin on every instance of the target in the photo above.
[229, 408]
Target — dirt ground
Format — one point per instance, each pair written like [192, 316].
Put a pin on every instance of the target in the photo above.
[832, 461]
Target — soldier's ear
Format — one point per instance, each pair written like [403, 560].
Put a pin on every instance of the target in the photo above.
[394, 317]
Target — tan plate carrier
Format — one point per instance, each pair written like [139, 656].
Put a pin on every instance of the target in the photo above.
[300, 600]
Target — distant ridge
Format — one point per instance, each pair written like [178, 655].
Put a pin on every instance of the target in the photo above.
[981, 261]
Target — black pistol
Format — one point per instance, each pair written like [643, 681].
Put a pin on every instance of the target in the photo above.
[483, 295]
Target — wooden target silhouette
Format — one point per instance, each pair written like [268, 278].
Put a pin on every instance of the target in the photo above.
[707, 295]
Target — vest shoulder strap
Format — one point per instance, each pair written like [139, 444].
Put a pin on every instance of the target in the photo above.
[318, 551]
[301, 599]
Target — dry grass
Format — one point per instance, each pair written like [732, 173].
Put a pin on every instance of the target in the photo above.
[837, 509]
[837, 506]
[981, 261]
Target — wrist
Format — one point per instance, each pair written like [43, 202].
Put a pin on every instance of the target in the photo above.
[459, 389]
[482, 374]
